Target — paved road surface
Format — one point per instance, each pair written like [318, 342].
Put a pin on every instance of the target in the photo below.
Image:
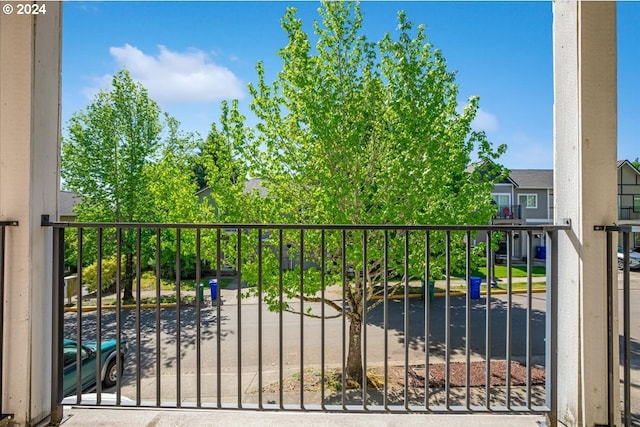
[241, 323]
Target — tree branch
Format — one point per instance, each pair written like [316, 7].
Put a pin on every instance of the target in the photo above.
[328, 302]
[313, 316]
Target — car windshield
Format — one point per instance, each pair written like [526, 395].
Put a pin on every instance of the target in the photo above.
[70, 352]
[69, 356]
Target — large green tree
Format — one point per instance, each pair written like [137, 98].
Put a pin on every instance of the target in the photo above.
[173, 190]
[225, 170]
[215, 160]
[356, 132]
[105, 154]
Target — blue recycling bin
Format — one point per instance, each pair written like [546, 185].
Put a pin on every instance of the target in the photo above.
[475, 287]
[541, 252]
[213, 284]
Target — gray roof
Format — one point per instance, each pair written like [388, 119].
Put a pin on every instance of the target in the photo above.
[532, 178]
[250, 185]
[67, 201]
[542, 178]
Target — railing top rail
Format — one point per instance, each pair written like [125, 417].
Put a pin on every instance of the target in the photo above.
[273, 226]
[8, 223]
[613, 228]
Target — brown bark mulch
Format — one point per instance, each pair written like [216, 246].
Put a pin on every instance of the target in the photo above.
[477, 374]
[416, 374]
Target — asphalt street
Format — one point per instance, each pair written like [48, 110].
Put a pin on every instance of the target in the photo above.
[250, 341]
[249, 337]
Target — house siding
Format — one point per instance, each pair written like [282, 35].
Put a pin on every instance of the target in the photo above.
[536, 182]
[540, 182]
[542, 209]
[628, 187]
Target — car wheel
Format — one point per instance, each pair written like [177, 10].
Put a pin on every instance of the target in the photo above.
[111, 378]
[620, 264]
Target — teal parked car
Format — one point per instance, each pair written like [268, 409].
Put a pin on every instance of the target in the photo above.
[109, 368]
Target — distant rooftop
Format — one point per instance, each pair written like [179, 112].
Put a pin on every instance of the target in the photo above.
[68, 200]
[532, 178]
[255, 184]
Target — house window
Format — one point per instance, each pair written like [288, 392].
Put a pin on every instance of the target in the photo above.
[530, 201]
[636, 203]
[502, 200]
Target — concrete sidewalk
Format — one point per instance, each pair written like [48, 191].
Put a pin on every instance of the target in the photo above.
[229, 295]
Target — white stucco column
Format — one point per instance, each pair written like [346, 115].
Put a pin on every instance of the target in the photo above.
[29, 150]
[585, 139]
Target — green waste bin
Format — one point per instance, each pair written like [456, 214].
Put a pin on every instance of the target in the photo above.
[432, 290]
[201, 291]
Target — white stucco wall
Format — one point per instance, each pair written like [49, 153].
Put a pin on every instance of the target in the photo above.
[29, 147]
[585, 193]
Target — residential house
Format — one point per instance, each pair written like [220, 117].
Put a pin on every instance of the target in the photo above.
[290, 259]
[253, 184]
[629, 198]
[525, 197]
[67, 202]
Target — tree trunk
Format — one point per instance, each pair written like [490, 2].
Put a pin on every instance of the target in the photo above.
[127, 279]
[354, 356]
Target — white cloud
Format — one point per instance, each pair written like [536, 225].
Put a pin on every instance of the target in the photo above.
[89, 8]
[175, 77]
[100, 83]
[485, 121]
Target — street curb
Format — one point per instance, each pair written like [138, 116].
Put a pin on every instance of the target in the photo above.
[462, 294]
[411, 296]
[123, 306]
[493, 292]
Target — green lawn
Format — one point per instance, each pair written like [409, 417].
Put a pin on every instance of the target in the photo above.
[148, 282]
[516, 271]
[164, 299]
[500, 286]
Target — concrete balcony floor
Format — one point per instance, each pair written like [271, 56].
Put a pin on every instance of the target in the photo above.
[135, 417]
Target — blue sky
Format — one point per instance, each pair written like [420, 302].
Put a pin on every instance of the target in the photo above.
[191, 55]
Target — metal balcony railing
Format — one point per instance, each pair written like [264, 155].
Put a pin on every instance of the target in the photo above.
[628, 213]
[619, 236]
[428, 335]
[3, 229]
[513, 212]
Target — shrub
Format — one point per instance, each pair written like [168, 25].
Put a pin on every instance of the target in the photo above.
[109, 268]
